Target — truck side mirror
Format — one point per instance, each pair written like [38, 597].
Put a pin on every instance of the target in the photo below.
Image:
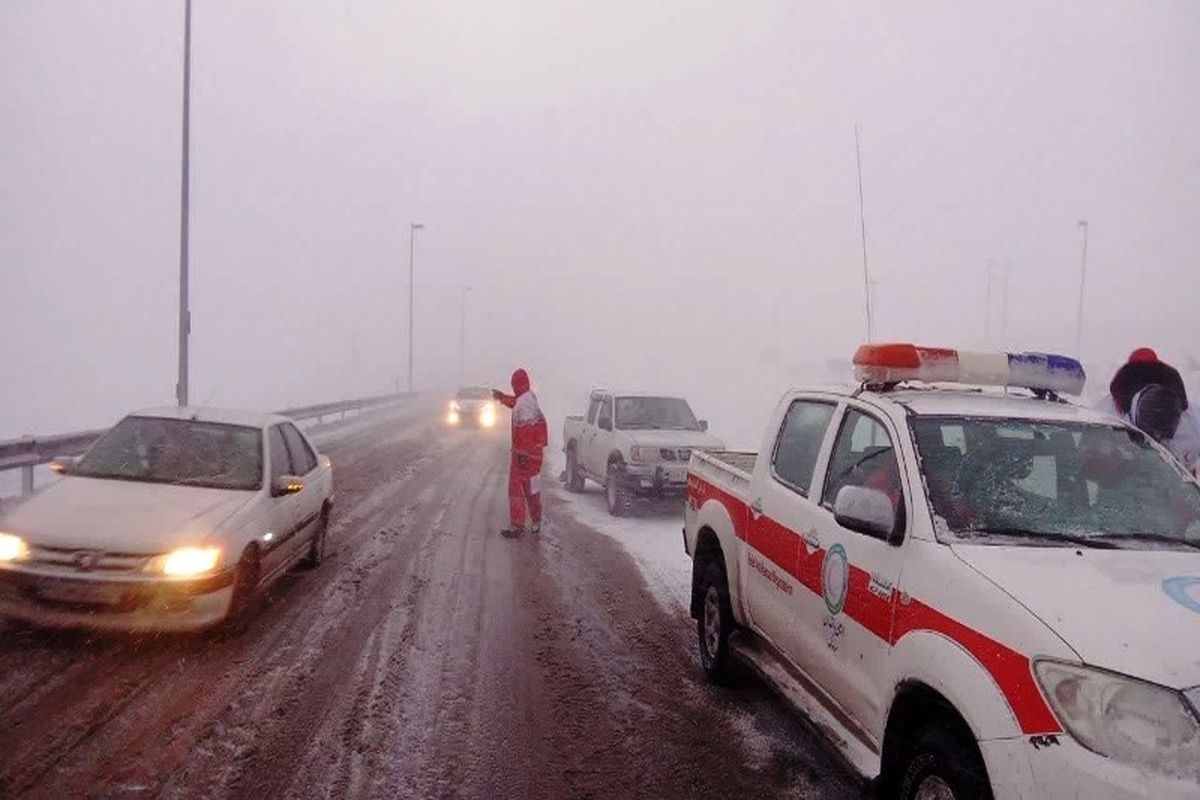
[704, 425]
[605, 423]
[867, 511]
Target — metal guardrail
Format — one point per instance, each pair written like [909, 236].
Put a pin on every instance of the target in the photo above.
[30, 451]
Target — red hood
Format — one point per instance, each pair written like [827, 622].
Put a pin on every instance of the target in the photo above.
[520, 382]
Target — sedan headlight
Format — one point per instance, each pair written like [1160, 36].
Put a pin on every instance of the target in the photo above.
[1125, 719]
[12, 548]
[186, 562]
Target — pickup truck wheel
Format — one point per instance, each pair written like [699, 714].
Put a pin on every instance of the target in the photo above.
[715, 623]
[574, 480]
[615, 494]
[941, 766]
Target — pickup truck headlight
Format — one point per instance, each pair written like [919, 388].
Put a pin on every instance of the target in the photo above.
[1123, 718]
[186, 562]
[643, 454]
[12, 548]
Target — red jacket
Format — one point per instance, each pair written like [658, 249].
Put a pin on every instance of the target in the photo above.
[529, 434]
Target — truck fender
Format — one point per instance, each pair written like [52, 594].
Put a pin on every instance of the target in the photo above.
[946, 667]
[713, 516]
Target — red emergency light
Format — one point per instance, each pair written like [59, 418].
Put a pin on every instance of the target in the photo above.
[897, 362]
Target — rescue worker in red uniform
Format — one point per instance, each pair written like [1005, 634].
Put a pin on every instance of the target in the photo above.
[529, 438]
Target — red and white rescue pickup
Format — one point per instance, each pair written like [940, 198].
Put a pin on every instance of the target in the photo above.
[975, 592]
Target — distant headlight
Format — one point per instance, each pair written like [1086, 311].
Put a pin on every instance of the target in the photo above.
[186, 561]
[454, 406]
[452, 417]
[1124, 719]
[487, 417]
[12, 548]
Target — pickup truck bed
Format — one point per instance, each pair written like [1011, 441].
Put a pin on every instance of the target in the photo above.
[737, 460]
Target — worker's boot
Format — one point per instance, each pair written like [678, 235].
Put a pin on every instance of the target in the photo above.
[536, 527]
[513, 532]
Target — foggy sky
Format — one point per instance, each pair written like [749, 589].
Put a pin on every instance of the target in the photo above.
[635, 191]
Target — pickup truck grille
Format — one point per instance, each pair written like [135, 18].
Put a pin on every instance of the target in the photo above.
[670, 454]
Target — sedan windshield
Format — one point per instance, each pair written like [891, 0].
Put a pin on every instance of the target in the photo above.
[176, 451]
[1054, 483]
[655, 413]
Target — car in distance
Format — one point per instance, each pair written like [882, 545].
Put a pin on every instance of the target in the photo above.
[977, 591]
[634, 445]
[472, 406]
[175, 519]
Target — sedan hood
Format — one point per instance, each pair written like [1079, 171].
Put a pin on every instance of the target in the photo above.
[696, 440]
[121, 516]
[1131, 611]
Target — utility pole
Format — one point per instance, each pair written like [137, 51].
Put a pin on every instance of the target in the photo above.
[1082, 283]
[862, 218]
[412, 235]
[462, 340]
[185, 313]
[1004, 304]
[987, 308]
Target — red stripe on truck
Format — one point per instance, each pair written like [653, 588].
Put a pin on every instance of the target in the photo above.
[889, 618]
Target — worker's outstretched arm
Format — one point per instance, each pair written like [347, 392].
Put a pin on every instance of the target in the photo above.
[504, 399]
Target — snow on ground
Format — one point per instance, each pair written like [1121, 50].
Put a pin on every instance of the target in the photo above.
[653, 537]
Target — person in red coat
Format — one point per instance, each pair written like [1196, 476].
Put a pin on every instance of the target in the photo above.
[529, 438]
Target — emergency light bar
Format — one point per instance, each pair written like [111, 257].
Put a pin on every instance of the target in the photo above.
[1041, 372]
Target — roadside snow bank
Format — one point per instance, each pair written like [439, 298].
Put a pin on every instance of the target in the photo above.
[654, 539]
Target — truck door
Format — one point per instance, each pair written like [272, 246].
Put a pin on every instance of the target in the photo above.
[602, 437]
[859, 574]
[783, 513]
[587, 436]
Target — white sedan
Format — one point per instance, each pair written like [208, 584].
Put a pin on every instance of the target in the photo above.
[175, 519]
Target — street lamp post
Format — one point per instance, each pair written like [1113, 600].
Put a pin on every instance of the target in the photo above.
[185, 314]
[412, 235]
[462, 339]
[1082, 283]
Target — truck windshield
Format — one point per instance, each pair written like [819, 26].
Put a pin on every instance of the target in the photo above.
[474, 393]
[177, 451]
[1038, 481]
[655, 413]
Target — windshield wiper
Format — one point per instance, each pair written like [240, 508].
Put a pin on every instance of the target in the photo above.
[1149, 537]
[1045, 536]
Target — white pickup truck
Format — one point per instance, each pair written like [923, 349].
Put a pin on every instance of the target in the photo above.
[634, 445]
[976, 593]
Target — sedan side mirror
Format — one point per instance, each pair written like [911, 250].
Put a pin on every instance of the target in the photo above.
[64, 465]
[864, 510]
[704, 425]
[285, 485]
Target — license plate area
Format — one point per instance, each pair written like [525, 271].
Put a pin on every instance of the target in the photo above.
[79, 592]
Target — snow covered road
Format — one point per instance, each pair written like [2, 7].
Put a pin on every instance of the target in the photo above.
[427, 658]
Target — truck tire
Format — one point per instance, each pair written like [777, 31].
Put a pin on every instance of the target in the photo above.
[616, 495]
[942, 764]
[574, 480]
[715, 623]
